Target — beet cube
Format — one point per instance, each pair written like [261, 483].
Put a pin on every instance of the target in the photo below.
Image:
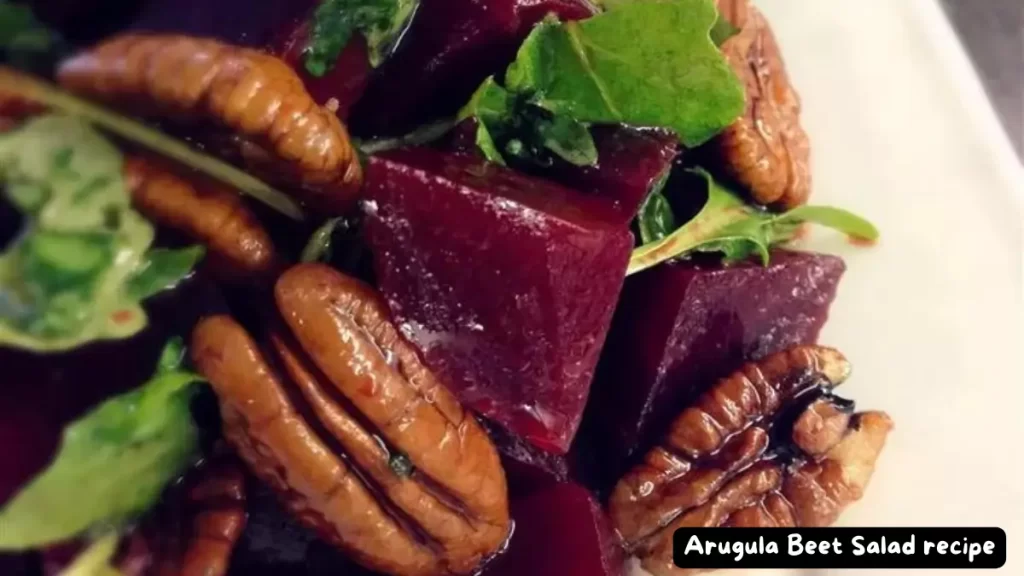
[680, 327]
[450, 47]
[344, 81]
[252, 24]
[506, 283]
[630, 163]
[560, 531]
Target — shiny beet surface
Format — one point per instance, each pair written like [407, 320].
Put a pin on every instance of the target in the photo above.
[506, 283]
[680, 327]
[252, 24]
[560, 531]
[450, 47]
[630, 163]
[344, 82]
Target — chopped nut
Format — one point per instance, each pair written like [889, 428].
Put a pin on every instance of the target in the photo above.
[356, 393]
[767, 446]
[239, 246]
[195, 532]
[767, 150]
[253, 94]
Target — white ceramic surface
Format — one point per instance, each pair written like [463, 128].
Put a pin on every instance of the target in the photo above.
[932, 317]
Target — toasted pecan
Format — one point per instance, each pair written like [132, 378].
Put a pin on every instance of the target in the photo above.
[363, 444]
[253, 94]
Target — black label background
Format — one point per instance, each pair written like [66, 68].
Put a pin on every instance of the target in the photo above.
[846, 559]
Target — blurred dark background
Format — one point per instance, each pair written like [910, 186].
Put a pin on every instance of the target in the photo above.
[993, 31]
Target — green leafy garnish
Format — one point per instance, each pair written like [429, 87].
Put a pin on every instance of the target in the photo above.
[508, 124]
[401, 465]
[112, 465]
[381, 22]
[96, 559]
[36, 90]
[645, 63]
[655, 219]
[82, 264]
[728, 225]
[163, 269]
[25, 41]
[723, 30]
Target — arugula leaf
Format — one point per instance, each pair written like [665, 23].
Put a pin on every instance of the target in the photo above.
[381, 22]
[508, 124]
[655, 218]
[728, 225]
[722, 30]
[31, 88]
[645, 63]
[25, 41]
[112, 465]
[163, 269]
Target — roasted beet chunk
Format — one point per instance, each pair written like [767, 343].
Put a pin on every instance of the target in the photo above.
[560, 531]
[630, 163]
[506, 283]
[680, 327]
[450, 47]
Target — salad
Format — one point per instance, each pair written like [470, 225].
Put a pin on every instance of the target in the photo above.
[410, 287]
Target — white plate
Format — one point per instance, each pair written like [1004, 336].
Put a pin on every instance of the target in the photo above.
[932, 317]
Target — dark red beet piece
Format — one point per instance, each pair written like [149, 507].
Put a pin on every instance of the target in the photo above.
[680, 327]
[450, 47]
[560, 531]
[630, 163]
[506, 283]
[344, 81]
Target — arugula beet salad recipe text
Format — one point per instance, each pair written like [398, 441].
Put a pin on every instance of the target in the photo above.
[409, 287]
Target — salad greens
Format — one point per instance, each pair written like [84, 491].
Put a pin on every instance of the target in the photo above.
[728, 225]
[113, 463]
[655, 219]
[74, 273]
[382, 23]
[95, 560]
[643, 63]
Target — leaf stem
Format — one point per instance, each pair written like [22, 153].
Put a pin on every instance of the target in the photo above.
[12, 81]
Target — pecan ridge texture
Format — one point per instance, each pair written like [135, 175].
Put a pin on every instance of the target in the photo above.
[338, 414]
[766, 150]
[238, 245]
[255, 95]
[767, 446]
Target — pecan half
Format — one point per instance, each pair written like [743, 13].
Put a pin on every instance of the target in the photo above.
[767, 150]
[766, 446]
[195, 532]
[253, 94]
[339, 415]
[239, 247]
